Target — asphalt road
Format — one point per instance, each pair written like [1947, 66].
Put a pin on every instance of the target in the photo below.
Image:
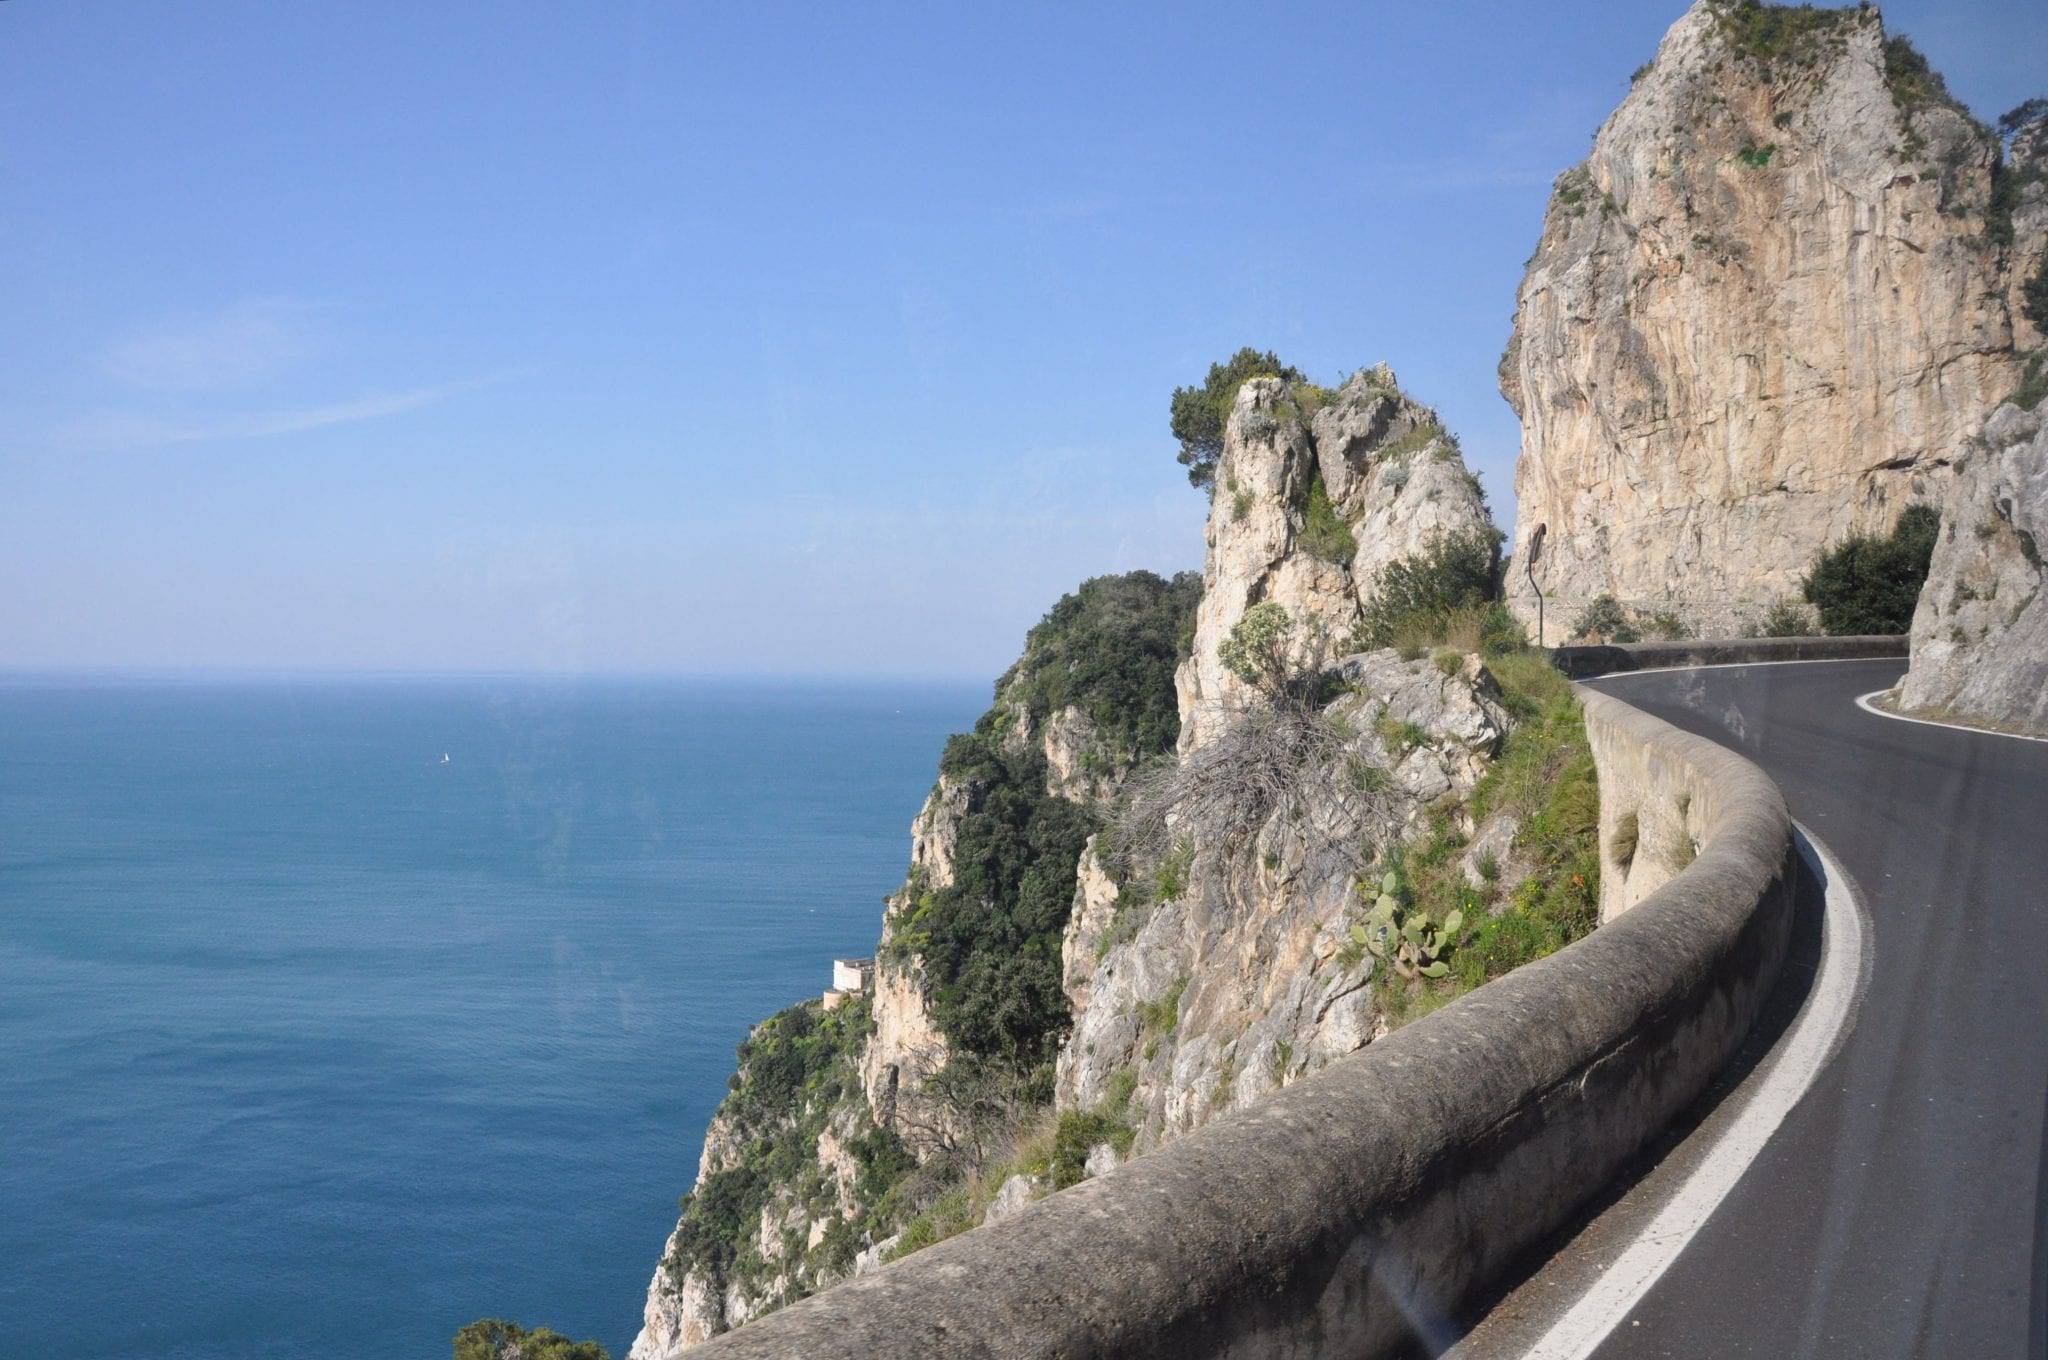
[1898, 1210]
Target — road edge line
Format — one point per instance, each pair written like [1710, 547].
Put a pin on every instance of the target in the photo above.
[1784, 1078]
[1863, 702]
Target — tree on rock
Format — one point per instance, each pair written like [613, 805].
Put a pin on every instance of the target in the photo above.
[1869, 584]
[1201, 413]
[496, 1339]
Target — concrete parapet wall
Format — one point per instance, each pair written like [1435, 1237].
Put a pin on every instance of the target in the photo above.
[1372, 1198]
[1582, 663]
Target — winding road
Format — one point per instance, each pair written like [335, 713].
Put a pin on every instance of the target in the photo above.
[1898, 1209]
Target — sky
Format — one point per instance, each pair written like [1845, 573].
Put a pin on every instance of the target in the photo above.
[738, 339]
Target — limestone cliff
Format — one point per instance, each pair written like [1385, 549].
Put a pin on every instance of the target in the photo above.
[1980, 634]
[1045, 1004]
[1770, 309]
[1316, 493]
[843, 1124]
[1247, 976]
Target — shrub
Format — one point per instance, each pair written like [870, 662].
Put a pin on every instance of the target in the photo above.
[496, 1339]
[1109, 649]
[2033, 388]
[1772, 33]
[1870, 585]
[1256, 650]
[2034, 298]
[1606, 620]
[1669, 626]
[1200, 414]
[1785, 618]
[1455, 571]
[1323, 533]
[1076, 1135]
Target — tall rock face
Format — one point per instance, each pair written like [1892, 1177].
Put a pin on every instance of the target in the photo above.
[833, 1109]
[1316, 493]
[1980, 634]
[1233, 971]
[1246, 976]
[1770, 309]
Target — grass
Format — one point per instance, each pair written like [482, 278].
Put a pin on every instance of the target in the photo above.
[1163, 1016]
[1544, 777]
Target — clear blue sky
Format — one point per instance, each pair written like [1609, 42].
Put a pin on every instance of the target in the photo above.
[735, 338]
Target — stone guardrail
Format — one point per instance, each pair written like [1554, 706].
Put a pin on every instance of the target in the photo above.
[1582, 663]
[1366, 1202]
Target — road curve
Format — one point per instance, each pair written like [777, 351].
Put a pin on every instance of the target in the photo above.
[1897, 1210]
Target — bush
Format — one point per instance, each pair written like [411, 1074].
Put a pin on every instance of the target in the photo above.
[2033, 388]
[1323, 533]
[1453, 572]
[1076, 1135]
[1256, 650]
[1786, 618]
[1109, 649]
[1200, 414]
[496, 1339]
[1606, 620]
[2034, 298]
[1869, 584]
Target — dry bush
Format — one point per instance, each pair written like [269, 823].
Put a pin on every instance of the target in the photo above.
[1284, 759]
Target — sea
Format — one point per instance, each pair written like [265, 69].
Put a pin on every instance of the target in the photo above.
[336, 1014]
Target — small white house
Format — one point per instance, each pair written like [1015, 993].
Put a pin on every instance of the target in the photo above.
[850, 977]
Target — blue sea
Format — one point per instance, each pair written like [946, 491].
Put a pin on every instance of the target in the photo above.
[313, 1043]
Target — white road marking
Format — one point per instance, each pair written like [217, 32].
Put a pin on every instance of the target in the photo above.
[1778, 1084]
[1739, 665]
[1863, 702]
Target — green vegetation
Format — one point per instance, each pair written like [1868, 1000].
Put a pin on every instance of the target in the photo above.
[1163, 1016]
[1544, 779]
[796, 1070]
[1323, 533]
[1455, 575]
[1770, 35]
[1200, 414]
[1785, 618]
[1109, 649]
[1417, 438]
[1405, 940]
[1757, 157]
[1605, 620]
[496, 1339]
[1256, 650]
[1870, 585]
[2033, 388]
[1913, 83]
[991, 939]
[1572, 189]
[1076, 1134]
[2034, 297]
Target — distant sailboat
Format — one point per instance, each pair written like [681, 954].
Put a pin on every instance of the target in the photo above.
[444, 757]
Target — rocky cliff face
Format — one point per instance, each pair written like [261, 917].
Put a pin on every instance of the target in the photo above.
[832, 1110]
[1980, 634]
[1246, 975]
[1316, 493]
[1770, 309]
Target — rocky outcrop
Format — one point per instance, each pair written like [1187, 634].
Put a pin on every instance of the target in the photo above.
[1248, 978]
[1316, 493]
[1091, 697]
[1980, 634]
[1769, 310]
